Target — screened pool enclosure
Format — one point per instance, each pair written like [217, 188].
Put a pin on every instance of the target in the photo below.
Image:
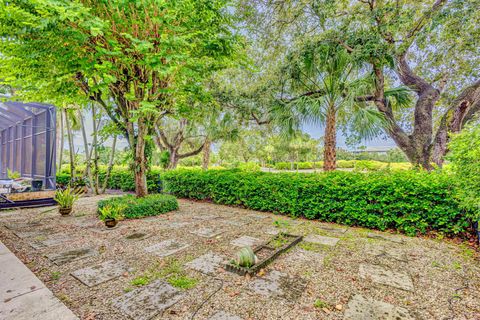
[27, 148]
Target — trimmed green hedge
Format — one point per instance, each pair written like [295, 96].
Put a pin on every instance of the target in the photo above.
[408, 201]
[367, 165]
[151, 205]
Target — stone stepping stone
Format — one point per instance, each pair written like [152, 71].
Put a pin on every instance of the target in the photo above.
[206, 232]
[222, 315]
[64, 257]
[246, 241]
[148, 301]
[137, 236]
[317, 239]
[275, 231]
[385, 237]
[50, 241]
[208, 263]
[299, 255]
[30, 234]
[22, 225]
[363, 308]
[388, 252]
[206, 217]
[178, 225]
[166, 248]
[100, 273]
[381, 275]
[257, 216]
[277, 284]
[336, 230]
[236, 223]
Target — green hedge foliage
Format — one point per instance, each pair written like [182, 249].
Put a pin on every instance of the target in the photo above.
[408, 201]
[361, 165]
[134, 208]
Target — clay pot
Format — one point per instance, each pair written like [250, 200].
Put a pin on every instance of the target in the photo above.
[65, 211]
[110, 223]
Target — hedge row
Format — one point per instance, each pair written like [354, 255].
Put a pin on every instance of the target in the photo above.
[408, 201]
[368, 165]
[134, 208]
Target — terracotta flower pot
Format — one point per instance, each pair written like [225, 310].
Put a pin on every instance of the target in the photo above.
[110, 223]
[65, 211]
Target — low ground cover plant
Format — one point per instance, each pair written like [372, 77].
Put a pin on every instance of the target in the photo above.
[409, 201]
[131, 207]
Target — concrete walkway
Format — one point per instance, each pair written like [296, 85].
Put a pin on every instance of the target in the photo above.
[23, 296]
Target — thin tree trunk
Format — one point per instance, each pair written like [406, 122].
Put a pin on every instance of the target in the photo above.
[206, 154]
[141, 189]
[95, 150]
[330, 148]
[62, 141]
[110, 165]
[70, 146]
[88, 172]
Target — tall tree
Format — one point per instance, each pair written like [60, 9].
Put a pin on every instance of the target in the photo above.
[148, 56]
[427, 46]
[329, 82]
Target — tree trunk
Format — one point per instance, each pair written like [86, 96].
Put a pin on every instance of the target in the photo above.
[330, 148]
[110, 165]
[173, 162]
[95, 151]
[462, 110]
[141, 189]
[62, 142]
[206, 154]
[70, 146]
[88, 172]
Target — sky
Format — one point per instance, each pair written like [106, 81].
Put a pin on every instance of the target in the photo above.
[316, 132]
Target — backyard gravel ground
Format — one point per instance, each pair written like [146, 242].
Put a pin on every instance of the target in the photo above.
[337, 272]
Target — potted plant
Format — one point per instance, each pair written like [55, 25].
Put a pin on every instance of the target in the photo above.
[65, 199]
[111, 215]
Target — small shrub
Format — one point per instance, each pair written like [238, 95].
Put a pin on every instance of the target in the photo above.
[67, 197]
[133, 207]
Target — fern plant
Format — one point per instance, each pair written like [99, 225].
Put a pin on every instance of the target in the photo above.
[67, 197]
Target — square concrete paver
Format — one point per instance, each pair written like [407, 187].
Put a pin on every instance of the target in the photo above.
[137, 236]
[149, 301]
[386, 251]
[100, 273]
[278, 284]
[206, 232]
[301, 256]
[71, 255]
[381, 275]
[206, 217]
[208, 263]
[363, 308]
[178, 225]
[166, 248]
[236, 223]
[30, 234]
[222, 315]
[246, 241]
[326, 241]
[385, 237]
[50, 241]
[330, 229]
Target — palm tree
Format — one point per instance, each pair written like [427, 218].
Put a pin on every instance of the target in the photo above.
[332, 89]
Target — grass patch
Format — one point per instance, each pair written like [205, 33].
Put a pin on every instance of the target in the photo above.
[171, 270]
[320, 304]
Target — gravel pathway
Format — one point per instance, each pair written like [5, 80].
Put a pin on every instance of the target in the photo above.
[169, 266]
